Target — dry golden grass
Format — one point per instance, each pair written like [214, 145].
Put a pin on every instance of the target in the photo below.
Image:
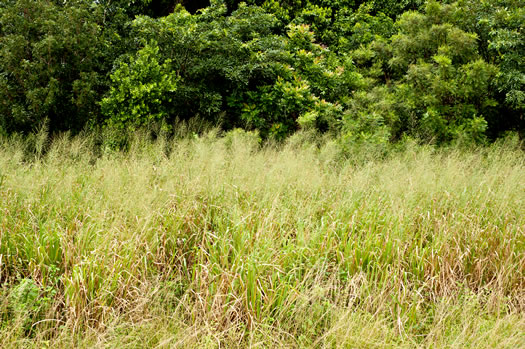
[216, 242]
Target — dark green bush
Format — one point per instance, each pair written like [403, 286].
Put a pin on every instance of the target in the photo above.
[232, 69]
[49, 65]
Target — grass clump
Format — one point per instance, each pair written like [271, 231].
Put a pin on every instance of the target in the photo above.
[210, 241]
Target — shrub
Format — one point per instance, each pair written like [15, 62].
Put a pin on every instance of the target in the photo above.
[436, 85]
[49, 64]
[141, 90]
[236, 70]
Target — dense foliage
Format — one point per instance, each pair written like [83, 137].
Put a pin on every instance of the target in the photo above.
[49, 64]
[437, 71]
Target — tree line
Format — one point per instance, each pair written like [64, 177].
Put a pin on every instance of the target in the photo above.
[365, 71]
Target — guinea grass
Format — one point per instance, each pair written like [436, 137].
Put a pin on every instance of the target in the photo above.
[211, 241]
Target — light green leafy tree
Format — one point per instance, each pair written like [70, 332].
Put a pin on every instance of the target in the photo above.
[428, 81]
[141, 91]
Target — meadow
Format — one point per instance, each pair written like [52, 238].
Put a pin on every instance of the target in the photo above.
[218, 242]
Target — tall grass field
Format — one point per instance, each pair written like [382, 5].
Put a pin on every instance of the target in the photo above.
[219, 242]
